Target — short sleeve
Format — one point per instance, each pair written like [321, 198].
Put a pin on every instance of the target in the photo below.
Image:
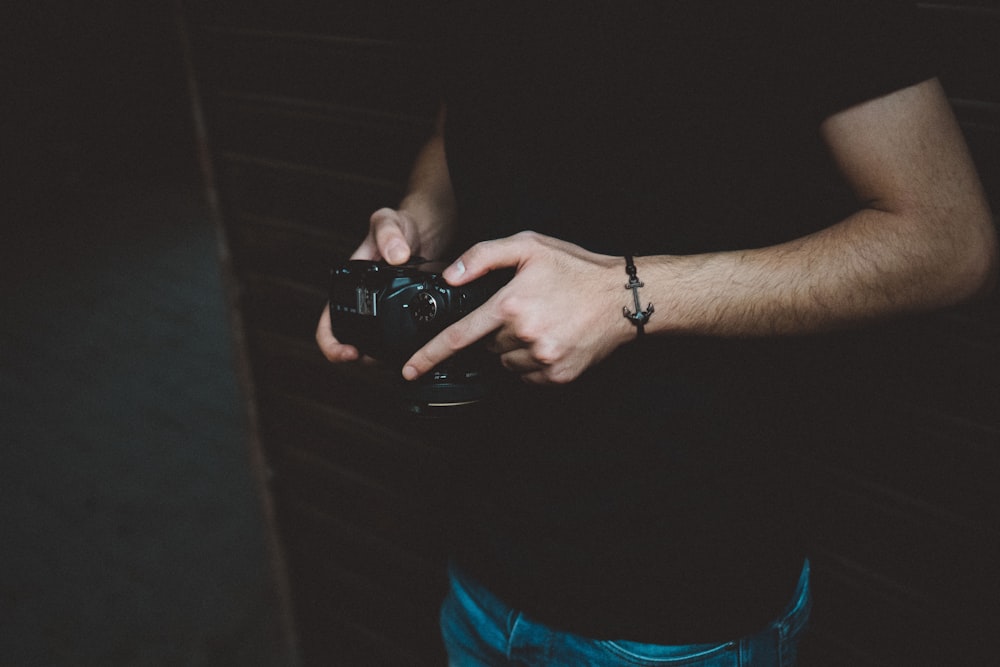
[851, 51]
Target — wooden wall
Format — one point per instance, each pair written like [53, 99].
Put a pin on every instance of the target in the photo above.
[313, 112]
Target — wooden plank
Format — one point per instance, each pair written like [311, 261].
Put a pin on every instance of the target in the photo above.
[372, 74]
[374, 19]
[362, 147]
[312, 197]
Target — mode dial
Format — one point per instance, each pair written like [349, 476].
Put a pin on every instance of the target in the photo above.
[424, 307]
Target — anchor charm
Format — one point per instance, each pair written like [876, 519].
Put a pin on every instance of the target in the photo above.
[639, 317]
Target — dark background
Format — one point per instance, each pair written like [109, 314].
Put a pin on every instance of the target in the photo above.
[98, 91]
[131, 529]
[313, 113]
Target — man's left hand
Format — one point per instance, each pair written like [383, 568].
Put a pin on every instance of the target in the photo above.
[559, 315]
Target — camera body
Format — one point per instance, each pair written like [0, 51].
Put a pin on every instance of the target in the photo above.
[389, 312]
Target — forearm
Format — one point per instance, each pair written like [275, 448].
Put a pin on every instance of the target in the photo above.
[871, 266]
[922, 238]
[562, 311]
[429, 200]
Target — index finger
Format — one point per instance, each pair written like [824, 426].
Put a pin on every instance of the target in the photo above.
[487, 256]
[477, 324]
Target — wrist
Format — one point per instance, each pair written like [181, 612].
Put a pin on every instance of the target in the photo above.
[618, 331]
[433, 225]
[637, 315]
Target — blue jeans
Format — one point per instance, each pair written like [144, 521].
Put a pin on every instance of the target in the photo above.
[480, 630]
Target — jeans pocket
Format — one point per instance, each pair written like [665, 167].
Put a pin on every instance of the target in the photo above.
[694, 655]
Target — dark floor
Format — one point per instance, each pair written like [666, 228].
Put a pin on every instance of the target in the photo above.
[130, 527]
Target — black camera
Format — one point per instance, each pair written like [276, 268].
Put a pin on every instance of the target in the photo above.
[389, 312]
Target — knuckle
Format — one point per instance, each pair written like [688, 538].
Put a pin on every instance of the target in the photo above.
[382, 220]
[509, 307]
[560, 375]
[547, 351]
[385, 229]
[527, 334]
[380, 214]
[534, 241]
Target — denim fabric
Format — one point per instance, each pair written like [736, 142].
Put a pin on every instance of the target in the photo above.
[480, 630]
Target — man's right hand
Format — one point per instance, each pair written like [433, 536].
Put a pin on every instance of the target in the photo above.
[392, 237]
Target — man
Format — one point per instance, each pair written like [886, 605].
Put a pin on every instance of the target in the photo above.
[755, 172]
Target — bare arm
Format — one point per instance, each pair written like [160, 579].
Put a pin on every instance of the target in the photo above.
[424, 222]
[923, 239]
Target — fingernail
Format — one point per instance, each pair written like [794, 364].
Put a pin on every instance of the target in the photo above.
[396, 252]
[455, 270]
[409, 373]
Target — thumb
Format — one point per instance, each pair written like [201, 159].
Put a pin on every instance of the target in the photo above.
[488, 256]
[367, 250]
[388, 229]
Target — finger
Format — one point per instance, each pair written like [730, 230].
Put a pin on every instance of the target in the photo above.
[389, 236]
[537, 377]
[486, 256]
[458, 336]
[504, 341]
[367, 250]
[521, 362]
[333, 350]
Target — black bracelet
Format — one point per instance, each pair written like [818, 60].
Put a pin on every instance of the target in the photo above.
[639, 317]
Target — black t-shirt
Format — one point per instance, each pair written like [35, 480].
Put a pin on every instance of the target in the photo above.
[649, 499]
